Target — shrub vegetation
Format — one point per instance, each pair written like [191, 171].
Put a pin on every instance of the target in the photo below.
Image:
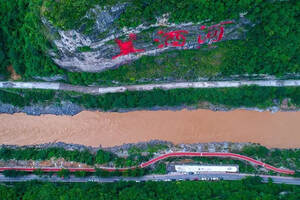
[271, 47]
[289, 158]
[250, 96]
[249, 188]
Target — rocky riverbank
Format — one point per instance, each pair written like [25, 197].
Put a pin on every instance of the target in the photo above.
[69, 108]
[161, 146]
[64, 108]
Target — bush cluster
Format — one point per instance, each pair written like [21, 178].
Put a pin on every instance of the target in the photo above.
[271, 46]
[48, 153]
[249, 188]
[249, 96]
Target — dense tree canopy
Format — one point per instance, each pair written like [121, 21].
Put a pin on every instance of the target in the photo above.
[24, 44]
[271, 47]
[249, 188]
[250, 96]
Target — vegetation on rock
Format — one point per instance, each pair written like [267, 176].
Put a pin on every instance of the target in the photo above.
[249, 96]
[271, 47]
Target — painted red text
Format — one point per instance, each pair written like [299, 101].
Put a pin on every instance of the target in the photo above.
[176, 37]
[215, 33]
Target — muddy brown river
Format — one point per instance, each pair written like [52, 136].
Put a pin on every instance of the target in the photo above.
[281, 129]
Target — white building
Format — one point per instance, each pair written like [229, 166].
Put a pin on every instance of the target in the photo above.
[206, 168]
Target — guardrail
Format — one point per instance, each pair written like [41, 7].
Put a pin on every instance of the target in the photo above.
[154, 160]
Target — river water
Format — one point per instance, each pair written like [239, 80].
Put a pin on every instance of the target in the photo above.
[281, 129]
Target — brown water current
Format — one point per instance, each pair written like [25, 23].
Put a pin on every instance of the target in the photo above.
[281, 129]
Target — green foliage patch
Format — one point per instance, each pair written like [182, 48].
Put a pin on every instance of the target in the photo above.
[249, 96]
[290, 158]
[84, 49]
[253, 96]
[23, 98]
[23, 39]
[48, 153]
[249, 188]
[68, 14]
[178, 65]
[271, 46]
[13, 173]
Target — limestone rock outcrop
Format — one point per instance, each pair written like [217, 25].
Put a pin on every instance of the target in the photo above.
[100, 47]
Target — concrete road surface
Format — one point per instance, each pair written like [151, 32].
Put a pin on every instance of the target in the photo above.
[147, 87]
[167, 177]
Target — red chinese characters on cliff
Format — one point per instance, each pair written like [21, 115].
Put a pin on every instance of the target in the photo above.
[127, 46]
[215, 33]
[176, 38]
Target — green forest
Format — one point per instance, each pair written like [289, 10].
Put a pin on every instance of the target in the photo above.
[87, 157]
[272, 45]
[249, 188]
[249, 96]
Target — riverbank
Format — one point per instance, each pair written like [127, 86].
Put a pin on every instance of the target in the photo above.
[89, 128]
[38, 102]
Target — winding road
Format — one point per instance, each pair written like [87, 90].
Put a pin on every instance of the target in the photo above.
[168, 155]
[146, 87]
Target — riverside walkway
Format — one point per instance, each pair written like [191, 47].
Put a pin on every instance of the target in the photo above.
[154, 160]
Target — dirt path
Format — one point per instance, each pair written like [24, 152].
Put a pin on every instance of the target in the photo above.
[281, 129]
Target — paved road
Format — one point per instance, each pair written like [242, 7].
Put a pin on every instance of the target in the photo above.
[147, 87]
[168, 155]
[167, 177]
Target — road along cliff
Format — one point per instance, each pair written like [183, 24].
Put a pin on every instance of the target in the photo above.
[147, 87]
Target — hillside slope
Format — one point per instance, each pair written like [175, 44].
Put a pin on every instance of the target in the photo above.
[43, 38]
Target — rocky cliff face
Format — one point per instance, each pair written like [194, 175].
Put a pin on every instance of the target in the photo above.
[95, 50]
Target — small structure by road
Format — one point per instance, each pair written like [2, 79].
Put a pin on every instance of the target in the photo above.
[196, 169]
